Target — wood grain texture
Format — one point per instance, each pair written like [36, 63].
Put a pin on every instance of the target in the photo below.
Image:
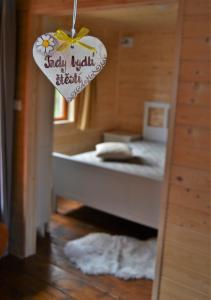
[195, 48]
[190, 178]
[174, 291]
[185, 270]
[196, 26]
[145, 73]
[192, 115]
[187, 239]
[197, 7]
[72, 141]
[177, 253]
[194, 71]
[145, 18]
[180, 273]
[62, 7]
[50, 276]
[187, 217]
[131, 77]
[194, 93]
[194, 136]
[186, 197]
[188, 156]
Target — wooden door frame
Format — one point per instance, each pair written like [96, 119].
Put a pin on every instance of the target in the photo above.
[37, 9]
[63, 7]
[165, 188]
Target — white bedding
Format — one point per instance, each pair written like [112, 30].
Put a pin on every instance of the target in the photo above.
[149, 160]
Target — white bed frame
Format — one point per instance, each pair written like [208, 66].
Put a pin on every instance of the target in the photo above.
[128, 196]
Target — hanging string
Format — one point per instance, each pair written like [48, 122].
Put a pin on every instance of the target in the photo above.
[68, 40]
[73, 31]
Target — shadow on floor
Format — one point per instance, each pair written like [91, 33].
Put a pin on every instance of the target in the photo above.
[110, 223]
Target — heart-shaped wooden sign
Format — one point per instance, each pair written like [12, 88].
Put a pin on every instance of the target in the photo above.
[69, 63]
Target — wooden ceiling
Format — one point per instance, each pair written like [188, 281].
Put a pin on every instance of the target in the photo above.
[141, 18]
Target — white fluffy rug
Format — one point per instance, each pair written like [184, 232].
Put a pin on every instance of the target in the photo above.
[122, 256]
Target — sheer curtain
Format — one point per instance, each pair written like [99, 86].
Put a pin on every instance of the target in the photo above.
[7, 88]
[84, 103]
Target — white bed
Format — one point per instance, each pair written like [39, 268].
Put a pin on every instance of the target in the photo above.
[148, 161]
[127, 189]
[131, 190]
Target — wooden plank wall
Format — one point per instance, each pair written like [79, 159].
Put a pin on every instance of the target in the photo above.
[67, 138]
[71, 141]
[185, 268]
[145, 73]
[62, 7]
[105, 107]
[133, 75]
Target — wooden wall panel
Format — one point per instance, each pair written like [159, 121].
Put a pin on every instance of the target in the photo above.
[67, 138]
[145, 74]
[194, 71]
[191, 115]
[185, 197]
[62, 7]
[179, 271]
[73, 141]
[131, 77]
[188, 239]
[189, 218]
[195, 48]
[194, 93]
[171, 290]
[105, 108]
[191, 157]
[197, 8]
[190, 178]
[194, 136]
[196, 26]
[185, 272]
[177, 253]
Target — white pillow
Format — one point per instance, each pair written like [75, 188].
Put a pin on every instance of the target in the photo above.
[113, 151]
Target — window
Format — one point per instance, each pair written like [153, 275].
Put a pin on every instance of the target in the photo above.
[60, 107]
[63, 110]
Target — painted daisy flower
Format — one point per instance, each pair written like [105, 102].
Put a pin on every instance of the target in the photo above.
[46, 43]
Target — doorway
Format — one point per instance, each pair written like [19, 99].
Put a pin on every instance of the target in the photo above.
[107, 120]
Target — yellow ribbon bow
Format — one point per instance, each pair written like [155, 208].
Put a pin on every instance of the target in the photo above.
[68, 41]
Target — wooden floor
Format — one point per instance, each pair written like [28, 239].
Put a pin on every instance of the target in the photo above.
[48, 275]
